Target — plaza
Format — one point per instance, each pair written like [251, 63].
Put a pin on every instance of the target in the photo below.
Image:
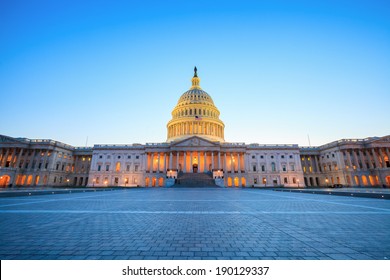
[193, 223]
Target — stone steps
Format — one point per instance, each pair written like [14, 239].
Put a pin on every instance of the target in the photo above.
[188, 180]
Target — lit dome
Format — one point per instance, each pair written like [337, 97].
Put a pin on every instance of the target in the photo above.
[195, 114]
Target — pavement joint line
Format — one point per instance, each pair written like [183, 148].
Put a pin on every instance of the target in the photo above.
[48, 200]
[185, 212]
[339, 203]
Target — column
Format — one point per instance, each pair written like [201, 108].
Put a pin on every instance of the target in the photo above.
[12, 157]
[231, 163]
[349, 160]
[170, 160]
[382, 157]
[356, 159]
[375, 158]
[212, 161]
[177, 160]
[185, 162]
[369, 159]
[205, 162]
[239, 163]
[224, 162]
[364, 166]
[219, 160]
[165, 163]
[158, 162]
[388, 154]
[20, 157]
[4, 162]
[191, 160]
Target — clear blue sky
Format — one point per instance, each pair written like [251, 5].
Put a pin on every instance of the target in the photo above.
[114, 70]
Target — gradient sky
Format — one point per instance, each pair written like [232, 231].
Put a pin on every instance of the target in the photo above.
[113, 71]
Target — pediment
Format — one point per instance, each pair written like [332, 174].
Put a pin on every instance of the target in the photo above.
[194, 141]
[7, 139]
[384, 140]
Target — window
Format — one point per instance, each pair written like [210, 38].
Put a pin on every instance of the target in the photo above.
[263, 168]
[333, 155]
[294, 180]
[55, 179]
[100, 157]
[327, 156]
[119, 157]
[254, 168]
[57, 166]
[136, 157]
[292, 167]
[128, 167]
[261, 156]
[310, 169]
[108, 157]
[282, 156]
[107, 167]
[118, 167]
[253, 156]
[273, 167]
[291, 156]
[136, 167]
[129, 157]
[63, 167]
[272, 156]
[284, 167]
[285, 181]
[264, 181]
[255, 181]
[99, 167]
[46, 165]
[97, 180]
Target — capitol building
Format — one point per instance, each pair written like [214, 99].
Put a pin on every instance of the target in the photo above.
[194, 154]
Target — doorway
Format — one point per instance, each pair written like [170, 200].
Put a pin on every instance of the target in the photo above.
[195, 168]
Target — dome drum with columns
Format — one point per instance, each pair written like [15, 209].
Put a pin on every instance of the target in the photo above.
[195, 114]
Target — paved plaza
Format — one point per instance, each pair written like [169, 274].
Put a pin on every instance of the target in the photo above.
[196, 223]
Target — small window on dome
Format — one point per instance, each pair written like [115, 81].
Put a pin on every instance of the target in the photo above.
[190, 111]
[195, 111]
[204, 112]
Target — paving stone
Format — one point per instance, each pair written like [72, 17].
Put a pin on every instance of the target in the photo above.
[194, 223]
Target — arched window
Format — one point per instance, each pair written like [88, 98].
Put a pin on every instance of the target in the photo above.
[118, 167]
[190, 112]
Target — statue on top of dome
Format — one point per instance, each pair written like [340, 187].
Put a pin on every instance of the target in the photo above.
[195, 70]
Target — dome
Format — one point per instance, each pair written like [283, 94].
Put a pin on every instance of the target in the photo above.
[195, 114]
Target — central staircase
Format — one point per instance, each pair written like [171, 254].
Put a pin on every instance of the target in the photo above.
[195, 180]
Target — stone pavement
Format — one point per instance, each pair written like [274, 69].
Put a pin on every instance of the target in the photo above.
[203, 223]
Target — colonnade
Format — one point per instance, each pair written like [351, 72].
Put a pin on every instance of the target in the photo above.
[195, 161]
[195, 127]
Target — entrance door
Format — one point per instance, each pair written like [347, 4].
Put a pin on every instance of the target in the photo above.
[195, 168]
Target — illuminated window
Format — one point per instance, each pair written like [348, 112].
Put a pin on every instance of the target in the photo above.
[264, 181]
[97, 180]
[294, 180]
[118, 167]
[310, 169]
[255, 181]
[83, 158]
